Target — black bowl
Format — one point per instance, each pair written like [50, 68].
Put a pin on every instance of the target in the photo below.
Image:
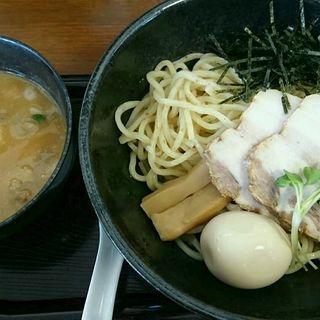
[170, 31]
[20, 59]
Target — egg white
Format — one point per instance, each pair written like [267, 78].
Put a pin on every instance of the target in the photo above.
[245, 250]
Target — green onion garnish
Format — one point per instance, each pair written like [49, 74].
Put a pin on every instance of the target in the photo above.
[38, 117]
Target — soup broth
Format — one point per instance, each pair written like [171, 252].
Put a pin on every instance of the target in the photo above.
[32, 137]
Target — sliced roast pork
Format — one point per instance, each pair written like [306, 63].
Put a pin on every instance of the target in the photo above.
[226, 156]
[295, 147]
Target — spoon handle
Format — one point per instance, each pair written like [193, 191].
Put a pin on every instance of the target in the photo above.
[104, 281]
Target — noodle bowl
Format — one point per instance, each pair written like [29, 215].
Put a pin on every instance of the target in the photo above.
[172, 30]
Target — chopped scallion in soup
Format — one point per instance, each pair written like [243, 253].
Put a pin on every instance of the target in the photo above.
[32, 137]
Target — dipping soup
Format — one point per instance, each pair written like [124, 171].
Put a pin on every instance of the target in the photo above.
[32, 137]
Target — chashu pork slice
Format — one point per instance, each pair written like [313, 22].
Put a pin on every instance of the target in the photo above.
[295, 147]
[226, 157]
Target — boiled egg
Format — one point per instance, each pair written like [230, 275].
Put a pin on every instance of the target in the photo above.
[245, 250]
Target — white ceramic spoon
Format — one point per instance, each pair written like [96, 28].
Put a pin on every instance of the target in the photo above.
[104, 281]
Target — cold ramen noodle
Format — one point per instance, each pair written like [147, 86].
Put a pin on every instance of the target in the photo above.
[32, 137]
[229, 146]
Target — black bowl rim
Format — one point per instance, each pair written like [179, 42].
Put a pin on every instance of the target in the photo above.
[68, 119]
[156, 281]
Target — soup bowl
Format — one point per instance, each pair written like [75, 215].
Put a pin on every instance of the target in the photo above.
[19, 59]
[170, 31]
